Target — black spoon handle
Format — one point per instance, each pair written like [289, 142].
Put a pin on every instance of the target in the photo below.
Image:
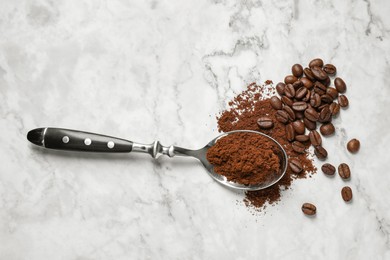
[74, 140]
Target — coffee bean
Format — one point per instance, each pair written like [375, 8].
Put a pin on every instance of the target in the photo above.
[343, 101]
[322, 106]
[290, 133]
[316, 63]
[315, 100]
[306, 98]
[301, 93]
[311, 114]
[310, 124]
[334, 108]
[332, 92]
[302, 138]
[340, 85]
[315, 138]
[265, 122]
[326, 81]
[282, 116]
[326, 99]
[318, 73]
[328, 169]
[309, 209]
[325, 115]
[307, 83]
[299, 106]
[309, 74]
[298, 147]
[290, 112]
[330, 69]
[295, 165]
[280, 88]
[299, 115]
[276, 103]
[287, 101]
[297, 70]
[319, 88]
[320, 152]
[297, 84]
[289, 91]
[299, 127]
[346, 193]
[344, 171]
[327, 129]
[290, 79]
[353, 145]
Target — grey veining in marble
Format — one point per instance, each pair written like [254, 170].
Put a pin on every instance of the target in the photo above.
[162, 70]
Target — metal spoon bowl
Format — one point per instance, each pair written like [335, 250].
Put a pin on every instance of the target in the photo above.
[74, 140]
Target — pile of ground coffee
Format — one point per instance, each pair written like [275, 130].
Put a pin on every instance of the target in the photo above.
[245, 158]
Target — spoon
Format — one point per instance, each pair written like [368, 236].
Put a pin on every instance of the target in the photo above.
[74, 140]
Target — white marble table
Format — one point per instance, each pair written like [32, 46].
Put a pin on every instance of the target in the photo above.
[160, 70]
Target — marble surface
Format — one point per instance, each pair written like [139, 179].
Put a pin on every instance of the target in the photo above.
[162, 70]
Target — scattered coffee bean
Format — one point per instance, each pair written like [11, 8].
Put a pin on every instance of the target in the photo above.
[309, 74]
[295, 165]
[330, 69]
[289, 91]
[343, 101]
[307, 83]
[265, 122]
[319, 88]
[310, 124]
[311, 114]
[316, 63]
[299, 127]
[298, 147]
[297, 70]
[302, 138]
[280, 88]
[334, 108]
[353, 145]
[332, 92]
[309, 209]
[327, 129]
[340, 85]
[315, 100]
[315, 138]
[326, 81]
[320, 152]
[282, 116]
[325, 115]
[297, 84]
[306, 98]
[290, 132]
[326, 99]
[290, 79]
[276, 103]
[290, 112]
[287, 101]
[301, 93]
[346, 193]
[299, 106]
[318, 73]
[344, 171]
[328, 169]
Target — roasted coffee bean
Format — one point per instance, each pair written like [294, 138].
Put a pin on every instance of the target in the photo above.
[318, 73]
[326, 81]
[325, 115]
[297, 84]
[287, 101]
[316, 63]
[299, 106]
[298, 147]
[302, 138]
[322, 106]
[300, 93]
[315, 138]
[307, 83]
[310, 124]
[282, 116]
[315, 100]
[299, 127]
[340, 85]
[290, 133]
[320, 152]
[297, 70]
[326, 99]
[265, 122]
[299, 115]
[280, 88]
[289, 91]
[346, 193]
[295, 165]
[276, 103]
[330, 69]
[306, 98]
[290, 79]
[353, 145]
[344, 171]
[290, 112]
[309, 209]
[343, 101]
[319, 88]
[334, 108]
[328, 169]
[332, 92]
[327, 129]
[309, 74]
[311, 114]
